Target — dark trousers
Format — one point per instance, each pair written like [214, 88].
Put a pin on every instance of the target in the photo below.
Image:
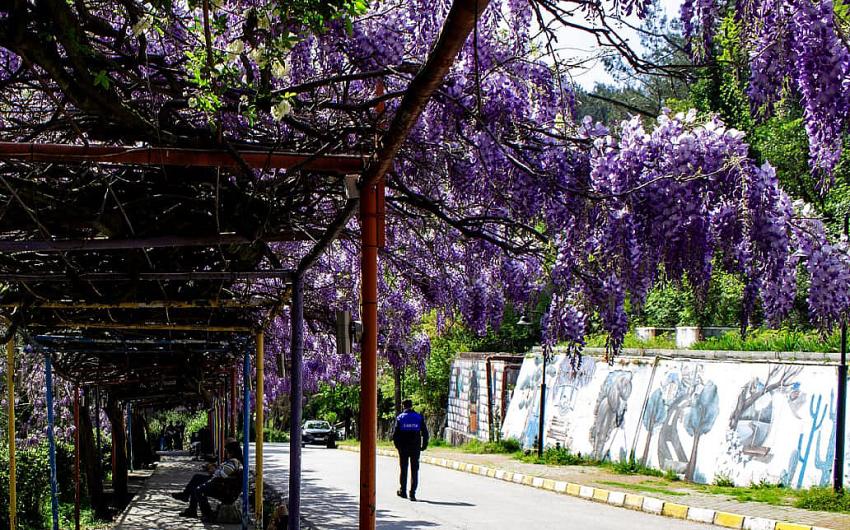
[413, 458]
[199, 488]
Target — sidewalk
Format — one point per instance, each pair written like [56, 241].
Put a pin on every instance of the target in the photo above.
[634, 491]
[153, 507]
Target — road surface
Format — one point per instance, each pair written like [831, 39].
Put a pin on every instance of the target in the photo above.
[447, 498]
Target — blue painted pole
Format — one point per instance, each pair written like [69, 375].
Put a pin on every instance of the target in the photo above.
[130, 432]
[246, 434]
[51, 441]
[295, 394]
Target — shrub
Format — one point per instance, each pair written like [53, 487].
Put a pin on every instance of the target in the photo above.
[633, 467]
[499, 447]
[823, 499]
[273, 435]
[33, 484]
[723, 481]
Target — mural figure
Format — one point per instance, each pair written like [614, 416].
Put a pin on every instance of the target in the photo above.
[563, 396]
[699, 421]
[653, 416]
[527, 395]
[569, 380]
[610, 411]
[752, 417]
[678, 387]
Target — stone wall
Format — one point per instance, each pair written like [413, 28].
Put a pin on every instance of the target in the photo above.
[755, 417]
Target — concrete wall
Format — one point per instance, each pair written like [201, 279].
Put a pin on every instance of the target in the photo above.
[743, 420]
[468, 411]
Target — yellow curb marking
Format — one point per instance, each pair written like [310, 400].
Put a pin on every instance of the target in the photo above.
[491, 473]
[729, 520]
[635, 502]
[792, 526]
[476, 469]
[548, 484]
[573, 489]
[600, 494]
[679, 511]
[527, 480]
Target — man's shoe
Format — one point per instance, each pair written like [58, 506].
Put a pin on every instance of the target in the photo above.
[181, 496]
[187, 513]
[412, 495]
[401, 494]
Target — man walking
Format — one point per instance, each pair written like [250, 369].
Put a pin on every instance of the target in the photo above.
[410, 436]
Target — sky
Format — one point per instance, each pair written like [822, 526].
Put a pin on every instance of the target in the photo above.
[581, 45]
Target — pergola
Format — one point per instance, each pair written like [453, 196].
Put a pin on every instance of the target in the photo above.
[151, 271]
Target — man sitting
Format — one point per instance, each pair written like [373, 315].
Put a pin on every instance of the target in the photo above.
[215, 483]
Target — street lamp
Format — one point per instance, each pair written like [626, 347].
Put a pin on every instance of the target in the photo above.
[525, 321]
[838, 463]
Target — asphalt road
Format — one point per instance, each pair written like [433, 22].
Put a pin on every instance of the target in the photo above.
[447, 498]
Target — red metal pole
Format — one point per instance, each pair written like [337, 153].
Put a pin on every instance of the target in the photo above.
[171, 156]
[369, 357]
[76, 457]
[233, 418]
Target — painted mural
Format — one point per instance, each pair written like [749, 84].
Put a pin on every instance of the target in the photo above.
[468, 414]
[745, 422]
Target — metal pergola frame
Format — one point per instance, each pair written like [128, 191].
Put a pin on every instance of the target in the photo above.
[461, 18]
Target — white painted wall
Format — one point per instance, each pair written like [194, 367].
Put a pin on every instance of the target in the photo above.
[754, 421]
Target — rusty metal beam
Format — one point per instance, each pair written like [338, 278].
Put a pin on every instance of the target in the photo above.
[169, 156]
[149, 326]
[170, 241]
[148, 276]
[153, 304]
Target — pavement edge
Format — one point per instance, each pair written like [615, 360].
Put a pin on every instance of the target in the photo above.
[616, 498]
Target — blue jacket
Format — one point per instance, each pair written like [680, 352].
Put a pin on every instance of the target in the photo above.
[410, 433]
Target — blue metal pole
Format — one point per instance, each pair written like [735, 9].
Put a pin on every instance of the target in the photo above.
[51, 441]
[246, 434]
[295, 394]
[130, 432]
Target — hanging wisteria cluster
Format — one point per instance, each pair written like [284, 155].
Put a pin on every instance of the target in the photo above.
[500, 194]
[796, 51]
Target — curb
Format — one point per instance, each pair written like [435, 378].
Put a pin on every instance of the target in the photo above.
[630, 501]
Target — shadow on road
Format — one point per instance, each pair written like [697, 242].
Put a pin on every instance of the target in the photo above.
[443, 503]
[328, 507]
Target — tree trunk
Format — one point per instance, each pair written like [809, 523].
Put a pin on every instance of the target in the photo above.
[90, 457]
[115, 413]
[397, 388]
[692, 461]
[646, 447]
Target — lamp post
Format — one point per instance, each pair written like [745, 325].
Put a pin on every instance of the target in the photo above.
[524, 321]
[841, 416]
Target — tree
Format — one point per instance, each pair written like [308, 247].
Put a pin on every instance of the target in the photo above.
[654, 415]
[699, 420]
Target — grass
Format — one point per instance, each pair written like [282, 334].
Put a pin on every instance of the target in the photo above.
[663, 342]
[647, 486]
[823, 499]
[771, 340]
[491, 448]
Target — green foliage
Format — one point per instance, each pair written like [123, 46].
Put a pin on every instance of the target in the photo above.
[723, 481]
[489, 448]
[823, 499]
[633, 466]
[554, 456]
[273, 435]
[772, 340]
[669, 304]
[33, 482]
[662, 342]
